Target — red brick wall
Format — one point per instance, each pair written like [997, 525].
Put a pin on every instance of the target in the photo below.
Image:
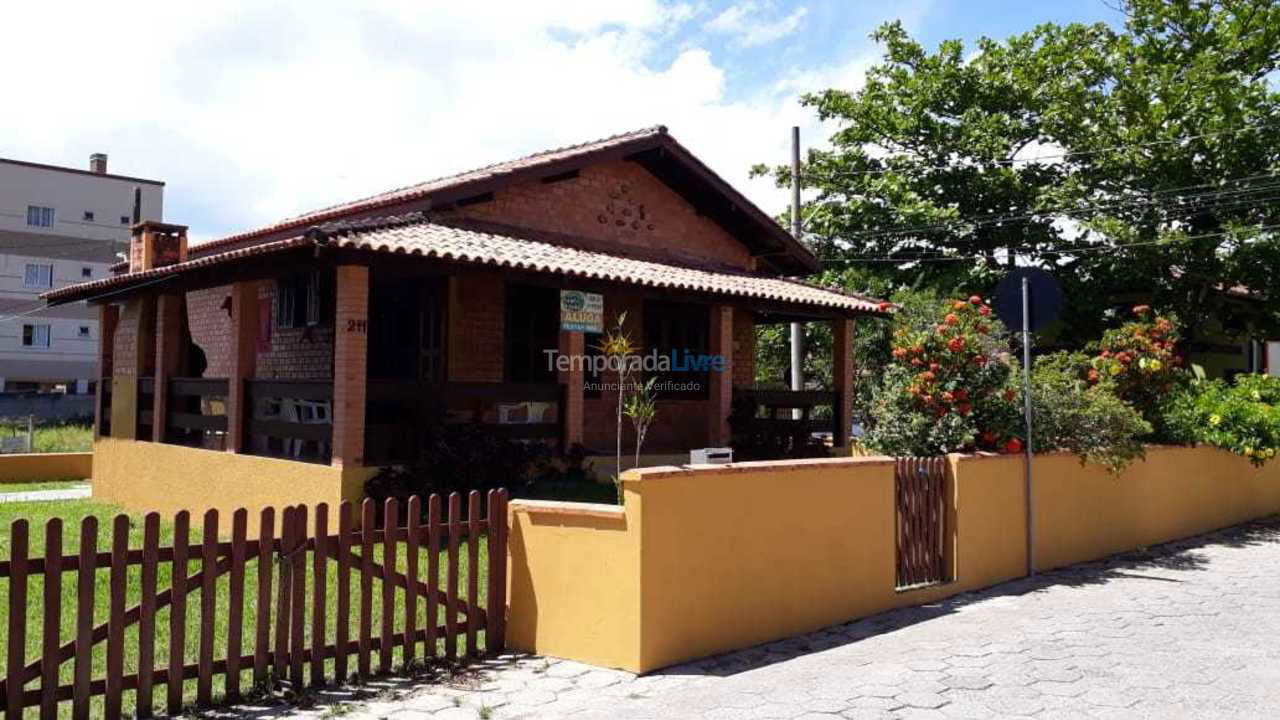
[134, 344]
[295, 353]
[210, 326]
[616, 206]
[477, 306]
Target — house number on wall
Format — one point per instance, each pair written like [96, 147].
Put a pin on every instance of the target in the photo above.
[358, 326]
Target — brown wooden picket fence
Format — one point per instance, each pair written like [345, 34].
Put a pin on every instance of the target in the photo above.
[282, 649]
[921, 520]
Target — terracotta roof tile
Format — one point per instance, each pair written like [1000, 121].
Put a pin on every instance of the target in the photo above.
[415, 235]
[651, 137]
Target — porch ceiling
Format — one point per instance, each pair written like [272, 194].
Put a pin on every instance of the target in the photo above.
[416, 235]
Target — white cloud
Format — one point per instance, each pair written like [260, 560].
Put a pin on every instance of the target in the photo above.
[748, 24]
[255, 112]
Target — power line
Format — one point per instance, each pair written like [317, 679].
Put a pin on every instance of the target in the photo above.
[1039, 158]
[1080, 250]
[130, 288]
[1152, 202]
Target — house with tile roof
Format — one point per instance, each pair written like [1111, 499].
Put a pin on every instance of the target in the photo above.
[338, 339]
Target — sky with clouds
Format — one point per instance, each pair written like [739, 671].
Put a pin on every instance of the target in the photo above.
[253, 111]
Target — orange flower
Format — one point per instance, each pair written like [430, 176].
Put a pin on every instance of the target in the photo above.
[951, 319]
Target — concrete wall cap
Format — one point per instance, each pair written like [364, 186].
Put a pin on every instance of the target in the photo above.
[670, 471]
[560, 507]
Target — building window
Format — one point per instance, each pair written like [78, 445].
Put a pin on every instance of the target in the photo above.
[84, 331]
[304, 300]
[39, 216]
[680, 331]
[88, 216]
[38, 275]
[532, 327]
[35, 336]
[86, 272]
[124, 219]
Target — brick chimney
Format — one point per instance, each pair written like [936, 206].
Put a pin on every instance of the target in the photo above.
[156, 244]
[98, 163]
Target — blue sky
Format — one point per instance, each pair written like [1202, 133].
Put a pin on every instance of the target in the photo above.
[253, 112]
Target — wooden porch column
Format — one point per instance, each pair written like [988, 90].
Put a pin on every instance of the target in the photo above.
[108, 317]
[350, 354]
[168, 358]
[720, 394]
[244, 360]
[842, 378]
[573, 346]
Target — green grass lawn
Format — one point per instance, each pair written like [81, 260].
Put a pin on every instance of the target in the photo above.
[34, 486]
[56, 437]
[72, 512]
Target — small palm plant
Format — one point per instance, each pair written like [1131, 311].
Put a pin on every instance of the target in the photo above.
[618, 348]
[642, 408]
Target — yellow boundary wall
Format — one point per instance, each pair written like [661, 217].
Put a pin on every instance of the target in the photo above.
[703, 560]
[43, 467]
[155, 477]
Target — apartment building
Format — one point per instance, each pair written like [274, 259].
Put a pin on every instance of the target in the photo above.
[59, 226]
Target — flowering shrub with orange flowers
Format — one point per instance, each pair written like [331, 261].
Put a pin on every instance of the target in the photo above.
[948, 387]
[1140, 360]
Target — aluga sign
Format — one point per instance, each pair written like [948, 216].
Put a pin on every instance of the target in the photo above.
[581, 311]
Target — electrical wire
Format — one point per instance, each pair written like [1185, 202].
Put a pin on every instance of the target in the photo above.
[1065, 252]
[46, 306]
[1156, 199]
[1041, 158]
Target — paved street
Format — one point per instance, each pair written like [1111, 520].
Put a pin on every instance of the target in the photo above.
[1190, 629]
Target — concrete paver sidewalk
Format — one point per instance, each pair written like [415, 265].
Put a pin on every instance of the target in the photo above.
[73, 492]
[1191, 630]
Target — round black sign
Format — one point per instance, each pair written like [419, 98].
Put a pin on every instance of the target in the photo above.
[1045, 299]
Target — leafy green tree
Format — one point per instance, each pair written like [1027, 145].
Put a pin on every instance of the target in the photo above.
[1135, 162]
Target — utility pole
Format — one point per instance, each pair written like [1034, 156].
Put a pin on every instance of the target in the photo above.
[797, 329]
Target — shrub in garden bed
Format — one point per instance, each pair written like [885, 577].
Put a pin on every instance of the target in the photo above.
[1079, 413]
[947, 388]
[1139, 359]
[1243, 418]
[952, 386]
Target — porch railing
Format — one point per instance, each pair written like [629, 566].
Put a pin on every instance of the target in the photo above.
[765, 426]
[145, 404]
[196, 412]
[104, 407]
[290, 419]
[399, 413]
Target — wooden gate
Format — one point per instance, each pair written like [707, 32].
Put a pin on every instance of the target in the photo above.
[250, 621]
[921, 520]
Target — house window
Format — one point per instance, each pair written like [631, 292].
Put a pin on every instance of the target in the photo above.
[38, 275]
[86, 272]
[304, 300]
[84, 331]
[532, 327]
[679, 331]
[124, 219]
[88, 216]
[35, 336]
[39, 216]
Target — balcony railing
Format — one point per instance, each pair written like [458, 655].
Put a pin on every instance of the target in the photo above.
[145, 403]
[104, 407]
[399, 414]
[196, 413]
[765, 426]
[290, 419]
